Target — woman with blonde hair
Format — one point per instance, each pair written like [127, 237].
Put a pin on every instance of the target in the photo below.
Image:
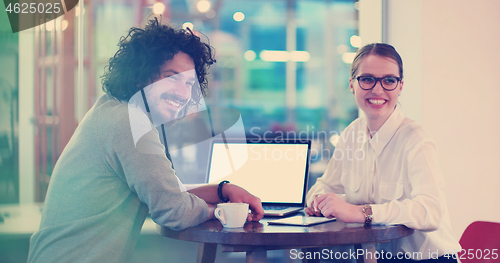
[385, 166]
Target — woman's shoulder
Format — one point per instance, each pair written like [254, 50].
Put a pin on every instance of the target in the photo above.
[355, 132]
[412, 131]
[357, 124]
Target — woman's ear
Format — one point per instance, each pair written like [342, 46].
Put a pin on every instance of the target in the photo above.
[350, 85]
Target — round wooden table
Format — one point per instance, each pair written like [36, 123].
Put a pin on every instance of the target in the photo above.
[255, 238]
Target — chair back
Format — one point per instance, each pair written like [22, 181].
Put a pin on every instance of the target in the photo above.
[481, 242]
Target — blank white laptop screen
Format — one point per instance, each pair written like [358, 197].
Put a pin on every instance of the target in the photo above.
[274, 172]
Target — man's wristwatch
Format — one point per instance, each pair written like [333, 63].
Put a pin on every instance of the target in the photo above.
[367, 212]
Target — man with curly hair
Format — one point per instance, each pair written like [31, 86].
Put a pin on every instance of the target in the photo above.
[104, 185]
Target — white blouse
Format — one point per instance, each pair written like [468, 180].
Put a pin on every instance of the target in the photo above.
[396, 171]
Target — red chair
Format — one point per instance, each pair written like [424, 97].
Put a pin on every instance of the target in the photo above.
[480, 243]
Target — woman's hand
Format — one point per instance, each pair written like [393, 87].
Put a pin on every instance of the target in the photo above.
[313, 209]
[330, 205]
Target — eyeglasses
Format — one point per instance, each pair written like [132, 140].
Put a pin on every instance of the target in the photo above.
[388, 83]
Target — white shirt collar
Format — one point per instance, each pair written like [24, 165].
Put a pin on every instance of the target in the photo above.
[382, 137]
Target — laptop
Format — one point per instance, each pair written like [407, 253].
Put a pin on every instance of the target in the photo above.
[274, 170]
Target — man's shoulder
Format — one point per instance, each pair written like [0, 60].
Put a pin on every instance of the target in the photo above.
[107, 102]
[108, 116]
[111, 109]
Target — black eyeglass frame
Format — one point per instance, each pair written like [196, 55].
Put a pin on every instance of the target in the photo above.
[379, 80]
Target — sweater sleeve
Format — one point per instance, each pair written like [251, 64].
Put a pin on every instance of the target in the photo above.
[143, 165]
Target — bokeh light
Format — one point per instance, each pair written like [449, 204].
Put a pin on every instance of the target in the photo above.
[188, 24]
[238, 16]
[249, 55]
[158, 8]
[355, 41]
[203, 6]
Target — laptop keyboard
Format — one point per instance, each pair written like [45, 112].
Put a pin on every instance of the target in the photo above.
[276, 207]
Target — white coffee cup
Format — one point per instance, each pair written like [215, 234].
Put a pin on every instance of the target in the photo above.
[232, 215]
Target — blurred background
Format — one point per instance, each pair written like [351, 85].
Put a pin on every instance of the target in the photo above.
[284, 64]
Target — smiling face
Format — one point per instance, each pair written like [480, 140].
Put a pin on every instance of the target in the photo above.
[171, 92]
[377, 103]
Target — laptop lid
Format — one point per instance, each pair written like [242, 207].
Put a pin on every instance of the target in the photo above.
[274, 170]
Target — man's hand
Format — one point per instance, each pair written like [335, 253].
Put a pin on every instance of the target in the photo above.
[211, 210]
[237, 194]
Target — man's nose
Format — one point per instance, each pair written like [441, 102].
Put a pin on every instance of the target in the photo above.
[183, 90]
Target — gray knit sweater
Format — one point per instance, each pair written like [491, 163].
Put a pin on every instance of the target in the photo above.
[102, 188]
